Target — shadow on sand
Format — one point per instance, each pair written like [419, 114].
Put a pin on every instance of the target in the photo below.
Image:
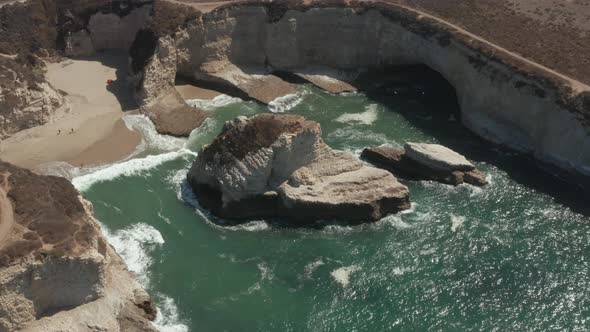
[120, 87]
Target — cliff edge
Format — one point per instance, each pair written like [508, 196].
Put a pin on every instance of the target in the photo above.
[57, 271]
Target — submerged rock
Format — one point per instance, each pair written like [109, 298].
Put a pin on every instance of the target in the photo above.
[426, 162]
[278, 166]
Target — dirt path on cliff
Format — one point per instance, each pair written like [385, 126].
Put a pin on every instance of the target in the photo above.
[90, 130]
[6, 212]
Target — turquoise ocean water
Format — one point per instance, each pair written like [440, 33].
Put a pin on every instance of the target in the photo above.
[514, 256]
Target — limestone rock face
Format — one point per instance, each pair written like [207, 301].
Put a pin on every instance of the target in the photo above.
[278, 166]
[431, 162]
[531, 105]
[107, 32]
[26, 100]
[57, 271]
[160, 101]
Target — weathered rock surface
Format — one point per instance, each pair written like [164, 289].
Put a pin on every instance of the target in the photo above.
[257, 84]
[26, 100]
[434, 162]
[278, 166]
[108, 31]
[172, 116]
[57, 271]
[437, 157]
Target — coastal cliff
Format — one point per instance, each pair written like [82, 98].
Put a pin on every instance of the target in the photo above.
[57, 271]
[503, 97]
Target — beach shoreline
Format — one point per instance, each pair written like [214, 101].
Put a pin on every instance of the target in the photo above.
[89, 130]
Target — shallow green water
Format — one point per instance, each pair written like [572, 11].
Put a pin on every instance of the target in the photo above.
[510, 257]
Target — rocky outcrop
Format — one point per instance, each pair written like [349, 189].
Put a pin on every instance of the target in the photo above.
[57, 271]
[426, 162]
[503, 97]
[278, 166]
[114, 30]
[26, 100]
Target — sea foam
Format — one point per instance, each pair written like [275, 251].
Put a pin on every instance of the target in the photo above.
[218, 101]
[150, 137]
[342, 275]
[134, 244]
[127, 168]
[285, 103]
[366, 118]
[456, 222]
[167, 319]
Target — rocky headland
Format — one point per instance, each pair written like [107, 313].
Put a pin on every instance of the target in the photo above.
[504, 97]
[57, 271]
[278, 166]
[426, 162]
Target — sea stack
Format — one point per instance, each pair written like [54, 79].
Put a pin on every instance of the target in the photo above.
[426, 162]
[273, 165]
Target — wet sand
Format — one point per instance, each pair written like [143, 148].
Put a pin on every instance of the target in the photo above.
[188, 91]
[94, 110]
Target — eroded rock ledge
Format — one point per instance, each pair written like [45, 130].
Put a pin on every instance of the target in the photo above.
[426, 162]
[278, 166]
[57, 271]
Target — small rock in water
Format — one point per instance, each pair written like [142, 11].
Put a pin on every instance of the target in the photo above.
[426, 162]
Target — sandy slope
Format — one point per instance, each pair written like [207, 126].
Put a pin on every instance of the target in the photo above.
[95, 111]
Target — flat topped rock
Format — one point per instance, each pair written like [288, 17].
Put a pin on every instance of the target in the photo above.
[272, 165]
[437, 157]
[258, 85]
[398, 162]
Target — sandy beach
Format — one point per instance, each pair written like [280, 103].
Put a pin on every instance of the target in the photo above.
[89, 130]
[188, 91]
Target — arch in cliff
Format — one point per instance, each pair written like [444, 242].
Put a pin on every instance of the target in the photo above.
[503, 98]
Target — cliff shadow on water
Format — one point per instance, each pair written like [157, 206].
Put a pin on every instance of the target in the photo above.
[441, 118]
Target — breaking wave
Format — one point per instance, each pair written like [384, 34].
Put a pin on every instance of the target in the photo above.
[218, 101]
[127, 168]
[366, 118]
[285, 103]
[342, 275]
[135, 245]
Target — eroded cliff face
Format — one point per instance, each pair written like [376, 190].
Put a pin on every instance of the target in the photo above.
[503, 98]
[108, 31]
[57, 271]
[26, 100]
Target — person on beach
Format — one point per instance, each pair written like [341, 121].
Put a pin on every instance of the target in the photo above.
[72, 131]
[59, 131]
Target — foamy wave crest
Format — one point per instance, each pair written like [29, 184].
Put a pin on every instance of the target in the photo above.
[311, 267]
[366, 118]
[127, 168]
[352, 134]
[252, 226]
[134, 244]
[456, 222]
[285, 103]
[167, 319]
[219, 101]
[151, 138]
[342, 275]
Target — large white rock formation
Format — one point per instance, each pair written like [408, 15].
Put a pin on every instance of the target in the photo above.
[278, 166]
